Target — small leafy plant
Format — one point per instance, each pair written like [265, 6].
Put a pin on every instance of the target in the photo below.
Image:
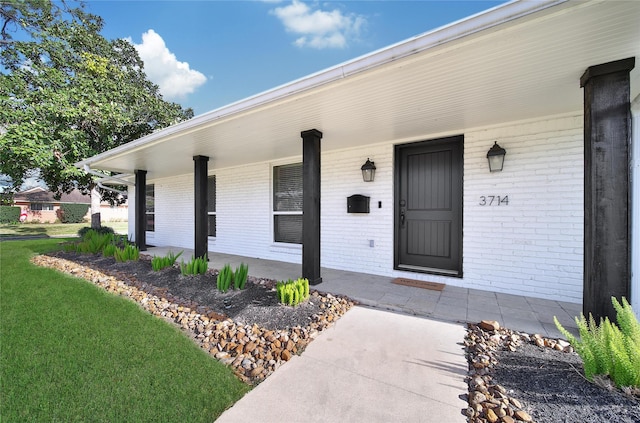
[225, 277]
[158, 263]
[292, 292]
[607, 349]
[127, 253]
[240, 276]
[197, 266]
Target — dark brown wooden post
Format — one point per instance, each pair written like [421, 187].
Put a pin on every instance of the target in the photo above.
[201, 238]
[141, 210]
[311, 205]
[607, 137]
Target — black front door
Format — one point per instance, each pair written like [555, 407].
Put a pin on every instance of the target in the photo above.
[428, 209]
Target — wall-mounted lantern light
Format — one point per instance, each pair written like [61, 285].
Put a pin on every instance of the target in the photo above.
[368, 171]
[495, 155]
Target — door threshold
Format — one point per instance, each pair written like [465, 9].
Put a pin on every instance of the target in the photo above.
[420, 269]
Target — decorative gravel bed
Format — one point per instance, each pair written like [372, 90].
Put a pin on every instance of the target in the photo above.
[248, 329]
[515, 376]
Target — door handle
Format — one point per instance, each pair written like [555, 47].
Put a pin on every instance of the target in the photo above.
[402, 218]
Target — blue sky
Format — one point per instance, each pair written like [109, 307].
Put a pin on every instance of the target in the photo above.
[207, 54]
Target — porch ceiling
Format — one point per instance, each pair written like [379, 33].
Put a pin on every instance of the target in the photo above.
[518, 69]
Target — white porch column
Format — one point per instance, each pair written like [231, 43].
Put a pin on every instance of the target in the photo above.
[635, 205]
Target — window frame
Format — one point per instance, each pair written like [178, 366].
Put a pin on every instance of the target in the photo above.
[151, 213]
[274, 212]
[209, 206]
[41, 206]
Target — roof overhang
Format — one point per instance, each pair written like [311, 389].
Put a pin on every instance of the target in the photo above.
[517, 61]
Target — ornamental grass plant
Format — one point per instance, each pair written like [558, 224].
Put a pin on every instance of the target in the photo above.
[93, 242]
[197, 266]
[240, 276]
[158, 263]
[127, 253]
[225, 278]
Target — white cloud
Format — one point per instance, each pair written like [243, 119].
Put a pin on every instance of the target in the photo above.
[175, 79]
[319, 28]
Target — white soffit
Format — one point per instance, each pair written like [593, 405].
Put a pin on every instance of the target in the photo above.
[520, 69]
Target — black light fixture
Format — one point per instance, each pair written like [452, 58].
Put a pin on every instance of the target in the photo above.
[368, 171]
[495, 155]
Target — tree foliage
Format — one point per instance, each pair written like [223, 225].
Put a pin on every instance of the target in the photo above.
[67, 93]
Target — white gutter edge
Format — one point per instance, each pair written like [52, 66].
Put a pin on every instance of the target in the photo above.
[105, 178]
[123, 193]
[450, 32]
[635, 206]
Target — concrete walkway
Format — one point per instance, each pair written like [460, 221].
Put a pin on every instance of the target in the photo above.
[371, 366]
[453, 304]
[399, 360]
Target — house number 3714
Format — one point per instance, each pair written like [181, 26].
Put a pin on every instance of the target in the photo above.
[494, 200]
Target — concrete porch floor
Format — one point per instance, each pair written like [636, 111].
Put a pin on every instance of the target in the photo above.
[453, 304]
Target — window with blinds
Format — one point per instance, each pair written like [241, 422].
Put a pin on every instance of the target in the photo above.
[287, 203]
[41, 206]
[211, 205]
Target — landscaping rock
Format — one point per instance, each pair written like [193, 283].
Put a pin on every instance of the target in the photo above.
[489, 325]
[255, 352]
[548, 371]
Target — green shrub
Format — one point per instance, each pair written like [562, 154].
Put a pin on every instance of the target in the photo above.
[93, 242]
[127, 253]
[9, 214]
[73, 213]
[197, 266]
[225, 277]
[158, 263]
[292, 292]
[607, 349]
[240, 276]
[101, 230]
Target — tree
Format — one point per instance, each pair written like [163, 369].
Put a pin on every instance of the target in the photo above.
[67, 93]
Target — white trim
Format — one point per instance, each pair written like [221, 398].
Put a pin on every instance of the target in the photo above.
[214, 213]
[146, 213]
[274, 213]
[635, 206]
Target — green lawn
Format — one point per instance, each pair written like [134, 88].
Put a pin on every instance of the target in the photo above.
[71, 352]
[53, 229]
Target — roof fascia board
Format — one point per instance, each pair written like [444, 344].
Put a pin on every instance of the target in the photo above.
[436, 37]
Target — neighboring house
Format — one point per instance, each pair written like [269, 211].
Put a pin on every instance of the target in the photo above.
[39, 204]
[426, 111]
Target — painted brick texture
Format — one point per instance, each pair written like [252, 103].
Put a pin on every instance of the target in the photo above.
[532, 246]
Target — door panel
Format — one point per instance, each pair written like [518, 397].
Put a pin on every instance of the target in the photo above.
[429, 206]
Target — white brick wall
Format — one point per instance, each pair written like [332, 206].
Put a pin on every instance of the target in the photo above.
[345, 236]
[532, 246]
[174, 212]
[243, 207]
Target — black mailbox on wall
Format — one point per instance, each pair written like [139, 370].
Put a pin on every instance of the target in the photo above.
[358, 204]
